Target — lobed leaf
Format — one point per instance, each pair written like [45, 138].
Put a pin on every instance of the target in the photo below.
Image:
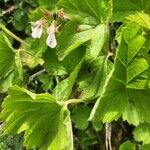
[45, 122]
[130, 67]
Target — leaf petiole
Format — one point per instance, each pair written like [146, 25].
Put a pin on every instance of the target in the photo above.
[13, 35]
[71, 101]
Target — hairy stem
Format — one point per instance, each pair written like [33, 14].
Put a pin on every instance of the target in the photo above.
[13, 35]
[71, 101]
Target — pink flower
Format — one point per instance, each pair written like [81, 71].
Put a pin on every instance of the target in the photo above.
[62, 15]
[37, 29]
[51, 39]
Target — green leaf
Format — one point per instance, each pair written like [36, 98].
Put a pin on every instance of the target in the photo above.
[7, 56]
[47, 81]
[63, 89]
[36, 14]
[38, 46]
[127, 146]
[73, 59]
[67, 65]
[145, 147]
[127, 82]
[131, 109]
[100, 68]
[80, 116]
[98, 126]
[45, 122]
[19, 65]
[32, 55]
[69, 39]
[10, 65]
[99, 38]
[20, 19]
[122, 9]
[140, 18]
[142, 133]
[48, 4]
[52, 64]
[8, 81]
[95, 10]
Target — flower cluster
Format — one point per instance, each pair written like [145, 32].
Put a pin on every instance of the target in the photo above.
[38, 26]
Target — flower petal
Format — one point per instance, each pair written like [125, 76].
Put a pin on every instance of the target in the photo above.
[51, 40]
[37, 31]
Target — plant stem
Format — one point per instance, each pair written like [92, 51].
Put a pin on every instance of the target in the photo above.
[36, 74]
[13, 35]
[72, 101]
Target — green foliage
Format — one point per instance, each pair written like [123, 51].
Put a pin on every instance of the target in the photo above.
[10, 65]
[63, 89]
[142, 19]
[99, 72]
[69, 33]
[27, 107]
[122, 9]
[142, 132]
[145, 147]
[93, 88]
[10, 141]
[80, 116]
[127, 146]
[95, 11]
[121, 88]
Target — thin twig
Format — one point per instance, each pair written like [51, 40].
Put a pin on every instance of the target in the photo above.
[36, 74]
[9, 10]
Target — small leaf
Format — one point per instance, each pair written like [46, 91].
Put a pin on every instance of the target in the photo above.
[142, 133]
[98, 126]
[80, 116]
[47, 82]
[127, 146]
[140, 18]
[63, 89]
